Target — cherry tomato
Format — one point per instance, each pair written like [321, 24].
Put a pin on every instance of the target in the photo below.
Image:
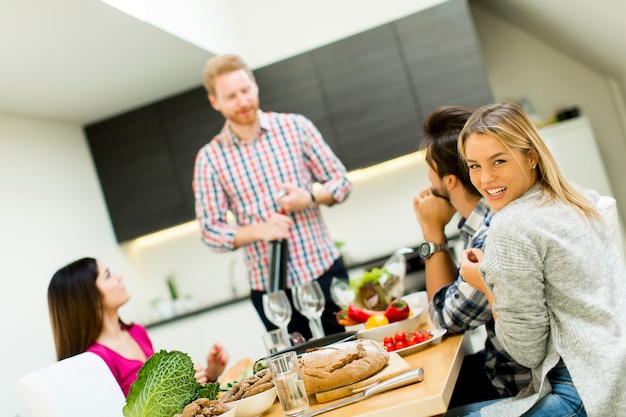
[390, 347]
[400, 344]
[387, 339]
[411, 339]
[400, 337]
[421, 336]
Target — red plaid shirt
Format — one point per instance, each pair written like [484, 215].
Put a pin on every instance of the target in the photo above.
[243, 177]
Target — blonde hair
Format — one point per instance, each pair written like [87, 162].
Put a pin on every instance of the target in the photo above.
[511, 126]
[222, 64]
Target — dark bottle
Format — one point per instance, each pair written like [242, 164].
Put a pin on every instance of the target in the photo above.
[279, 253]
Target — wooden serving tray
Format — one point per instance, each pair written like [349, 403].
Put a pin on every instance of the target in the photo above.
[395, 366]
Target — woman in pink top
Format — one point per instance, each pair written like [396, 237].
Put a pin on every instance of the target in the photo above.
[83, 300]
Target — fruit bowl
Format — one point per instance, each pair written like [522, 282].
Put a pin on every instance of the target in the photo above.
[406, 325]
[255, 405]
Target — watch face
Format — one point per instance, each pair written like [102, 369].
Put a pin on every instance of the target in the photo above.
[424, 249]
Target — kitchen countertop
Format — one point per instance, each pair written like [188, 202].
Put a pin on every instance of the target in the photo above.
[198, 311]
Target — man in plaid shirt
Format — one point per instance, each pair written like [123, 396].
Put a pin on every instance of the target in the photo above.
[454, 305]
[261, 167]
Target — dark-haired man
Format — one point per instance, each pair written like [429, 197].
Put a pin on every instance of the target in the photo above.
[490, 373]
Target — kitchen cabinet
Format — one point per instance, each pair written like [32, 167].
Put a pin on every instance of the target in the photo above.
[145, 161]
[443, 57]
[369, 98]
[188, 122]
[136, 173]
[369, 93]
[292, 86]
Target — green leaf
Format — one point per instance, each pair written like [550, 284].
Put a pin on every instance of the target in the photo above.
[373, 275]
[165, 384]
[209, 391]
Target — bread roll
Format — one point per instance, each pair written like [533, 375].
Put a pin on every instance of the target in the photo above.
[342, 364]
[238, 372]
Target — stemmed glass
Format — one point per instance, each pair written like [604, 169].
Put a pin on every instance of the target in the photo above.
[310, 302]
[341, 293]
[277, 309]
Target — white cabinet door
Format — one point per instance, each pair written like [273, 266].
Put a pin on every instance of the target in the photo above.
[574, 147]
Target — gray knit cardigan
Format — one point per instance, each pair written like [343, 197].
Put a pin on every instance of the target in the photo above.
[560, 287]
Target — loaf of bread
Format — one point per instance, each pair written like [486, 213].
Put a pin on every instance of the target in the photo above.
[341, 364]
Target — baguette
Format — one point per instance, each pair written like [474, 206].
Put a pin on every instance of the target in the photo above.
[341, 364]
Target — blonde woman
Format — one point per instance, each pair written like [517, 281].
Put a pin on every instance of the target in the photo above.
[551, 271]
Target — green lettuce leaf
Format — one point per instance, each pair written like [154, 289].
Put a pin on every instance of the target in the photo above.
[165, 385]
[373, 275]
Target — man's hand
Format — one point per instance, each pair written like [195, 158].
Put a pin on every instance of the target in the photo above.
[432, 213]
[294, 198]
[276, 227]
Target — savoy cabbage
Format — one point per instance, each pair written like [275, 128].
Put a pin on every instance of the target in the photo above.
[165, 385]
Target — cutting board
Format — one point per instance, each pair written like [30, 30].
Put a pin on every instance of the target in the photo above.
[395, 366]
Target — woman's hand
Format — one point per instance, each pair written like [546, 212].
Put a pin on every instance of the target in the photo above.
[200, 374]
[216, 362]
[470, 262]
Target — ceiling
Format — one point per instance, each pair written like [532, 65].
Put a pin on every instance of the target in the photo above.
[590, 31]
[81, 60]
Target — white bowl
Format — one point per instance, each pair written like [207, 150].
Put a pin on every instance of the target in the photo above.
[416, 300]
[406, 325]
[232, 410]
[255, 405]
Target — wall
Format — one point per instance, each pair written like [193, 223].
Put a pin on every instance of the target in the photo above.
[52, 213]
[518, 64]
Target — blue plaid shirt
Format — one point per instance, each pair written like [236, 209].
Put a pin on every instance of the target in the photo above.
[459, 307]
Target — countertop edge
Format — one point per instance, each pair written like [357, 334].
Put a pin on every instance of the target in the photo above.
[198, 311]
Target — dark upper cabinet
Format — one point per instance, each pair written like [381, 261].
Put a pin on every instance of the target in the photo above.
[443, 57]
[136, 173]
[187, 122]
[292, 86]
[371, 102]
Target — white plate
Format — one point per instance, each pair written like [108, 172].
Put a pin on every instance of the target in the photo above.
[437, 334]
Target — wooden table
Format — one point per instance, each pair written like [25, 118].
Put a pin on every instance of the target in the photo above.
[441, 363]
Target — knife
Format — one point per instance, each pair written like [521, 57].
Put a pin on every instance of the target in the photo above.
[409, 377]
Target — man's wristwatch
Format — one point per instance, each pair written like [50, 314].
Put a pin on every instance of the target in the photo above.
[426, 249]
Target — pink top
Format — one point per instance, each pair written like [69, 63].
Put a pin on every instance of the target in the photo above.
[125, 370]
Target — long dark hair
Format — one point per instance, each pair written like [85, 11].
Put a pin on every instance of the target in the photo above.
[75, 306]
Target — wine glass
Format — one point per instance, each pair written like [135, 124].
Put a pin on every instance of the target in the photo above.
[310, 302]
[277, 309]
[341, 292]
